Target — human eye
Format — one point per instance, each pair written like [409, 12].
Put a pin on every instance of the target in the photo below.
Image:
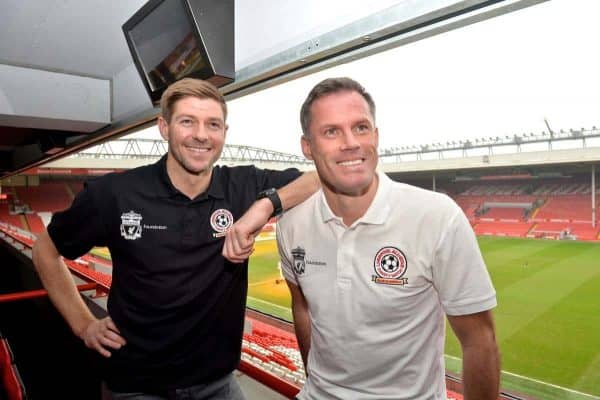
[215, 125]
[330, 132]
[186, 121]
[362, 129]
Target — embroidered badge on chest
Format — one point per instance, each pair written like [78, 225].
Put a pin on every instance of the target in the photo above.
[390, 266]
[131, 227]
[221, 220]
[299, 265]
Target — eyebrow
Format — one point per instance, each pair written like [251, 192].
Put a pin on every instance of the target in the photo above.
[212, 119]
[363, 121]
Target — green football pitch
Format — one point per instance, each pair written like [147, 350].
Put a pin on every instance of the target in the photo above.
[547, 319]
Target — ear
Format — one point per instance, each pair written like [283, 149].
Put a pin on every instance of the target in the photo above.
[305, 143]
[163, 127]
[225, 131]
[377, 138]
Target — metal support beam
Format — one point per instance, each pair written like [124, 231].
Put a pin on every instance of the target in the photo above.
[594, 195]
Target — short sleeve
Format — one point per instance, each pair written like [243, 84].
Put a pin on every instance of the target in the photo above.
[459, 272]
[286, 264]
[268, 178]
[77, 229]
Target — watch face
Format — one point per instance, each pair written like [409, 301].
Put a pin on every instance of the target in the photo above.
[266, 193]
[272, 195]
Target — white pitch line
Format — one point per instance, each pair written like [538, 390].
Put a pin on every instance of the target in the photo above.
[270, 304]
[541, 382]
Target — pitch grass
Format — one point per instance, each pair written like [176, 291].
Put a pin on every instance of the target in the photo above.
[547, 319]
[101, 252]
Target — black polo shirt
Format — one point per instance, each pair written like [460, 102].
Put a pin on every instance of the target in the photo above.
[178, 303]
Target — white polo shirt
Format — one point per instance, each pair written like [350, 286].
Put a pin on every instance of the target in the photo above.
[377, 291]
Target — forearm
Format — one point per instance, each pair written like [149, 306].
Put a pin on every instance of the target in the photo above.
[239, 239]
[481, 372]
[299, 190]
[58, 281]
[302, 328]
[481, 359]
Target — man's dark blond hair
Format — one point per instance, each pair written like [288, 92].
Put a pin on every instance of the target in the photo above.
[189, 87]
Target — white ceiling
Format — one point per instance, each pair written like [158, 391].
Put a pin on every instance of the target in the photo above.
[44, 33]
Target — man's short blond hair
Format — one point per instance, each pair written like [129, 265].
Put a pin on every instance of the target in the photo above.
[189, 87]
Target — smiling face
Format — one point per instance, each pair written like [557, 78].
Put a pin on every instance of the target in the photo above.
[196, 135]
[342, 141]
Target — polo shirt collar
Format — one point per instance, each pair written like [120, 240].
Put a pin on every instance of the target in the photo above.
[377, 213]
[165, 188]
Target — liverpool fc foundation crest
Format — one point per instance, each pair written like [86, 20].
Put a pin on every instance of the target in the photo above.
[299, 265]
[131, 228]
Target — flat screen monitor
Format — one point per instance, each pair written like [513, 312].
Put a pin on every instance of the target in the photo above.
[173, 39]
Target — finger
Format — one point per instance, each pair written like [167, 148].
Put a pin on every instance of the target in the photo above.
[96, 345]
[241, 257]
[244, 244]
[115, 337]
[103, 351]
[108, 342]
[227, 252]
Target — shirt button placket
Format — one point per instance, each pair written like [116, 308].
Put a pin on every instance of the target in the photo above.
[188, 226]
[344, 260]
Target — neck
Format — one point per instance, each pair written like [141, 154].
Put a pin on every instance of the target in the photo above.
[351, 207]
[187, 183]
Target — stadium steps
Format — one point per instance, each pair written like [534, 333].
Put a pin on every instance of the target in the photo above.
[537, 209]
[532, 230]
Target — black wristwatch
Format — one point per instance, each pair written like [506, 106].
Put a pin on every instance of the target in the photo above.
[272, 195]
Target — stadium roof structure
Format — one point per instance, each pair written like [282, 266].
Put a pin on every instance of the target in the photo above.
[132, 152]
[68, 81]
[577, 148]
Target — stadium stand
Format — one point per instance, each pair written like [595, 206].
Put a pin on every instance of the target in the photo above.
[500, 213]
[551, 209]
[53, 196]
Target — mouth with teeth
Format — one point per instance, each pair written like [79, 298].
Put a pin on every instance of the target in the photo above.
[351, 163]
[197, 150]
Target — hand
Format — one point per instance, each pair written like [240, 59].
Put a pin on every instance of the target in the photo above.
[239, 239]
[103, 334]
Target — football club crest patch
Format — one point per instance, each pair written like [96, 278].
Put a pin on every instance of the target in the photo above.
[221, 220]
[131, 228]
[390, 266]
[299, 264]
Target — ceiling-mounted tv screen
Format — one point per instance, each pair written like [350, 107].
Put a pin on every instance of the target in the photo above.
[174, 39]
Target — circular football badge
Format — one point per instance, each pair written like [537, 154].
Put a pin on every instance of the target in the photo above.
[390, 263]
[221, 220]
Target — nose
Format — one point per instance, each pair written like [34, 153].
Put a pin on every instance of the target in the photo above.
[349, 140]
[200, 133]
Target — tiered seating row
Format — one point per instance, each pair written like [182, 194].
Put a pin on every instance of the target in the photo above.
[77, 267]
[274, 350]
[5, 216]
[45, 197]
[517, 229]
[514, 214]
[568, 207]
[559, 209]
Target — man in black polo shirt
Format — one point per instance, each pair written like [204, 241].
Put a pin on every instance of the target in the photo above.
[177, 301]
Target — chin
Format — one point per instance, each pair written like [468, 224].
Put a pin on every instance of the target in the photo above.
[196, 169]
[351, 188]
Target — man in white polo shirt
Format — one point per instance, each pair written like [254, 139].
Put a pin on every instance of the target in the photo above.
[374, 265]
